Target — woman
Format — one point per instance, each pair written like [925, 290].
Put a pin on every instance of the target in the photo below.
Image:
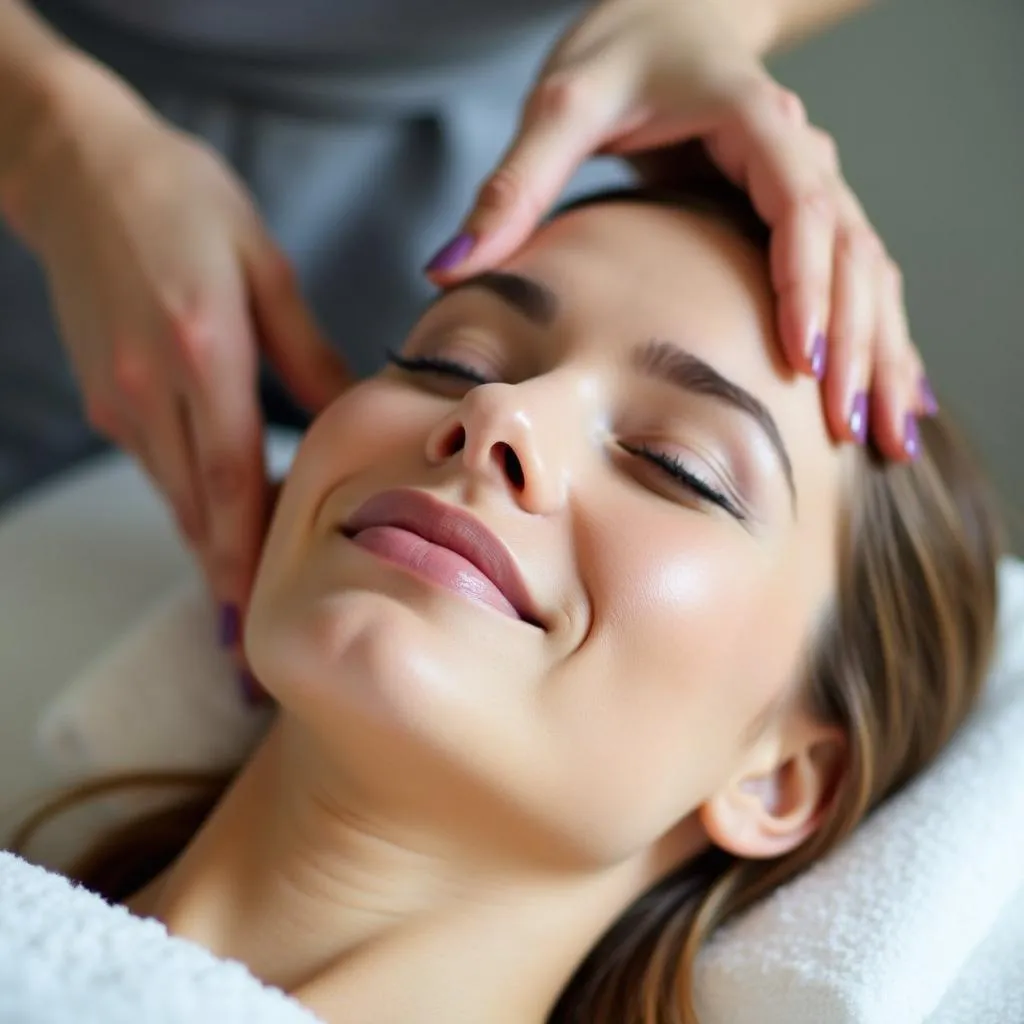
[585, 635]
[358, 131]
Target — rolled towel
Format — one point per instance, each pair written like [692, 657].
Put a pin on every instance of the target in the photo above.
[164, 697]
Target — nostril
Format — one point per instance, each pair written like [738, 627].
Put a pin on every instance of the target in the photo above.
[454, 442]
[513, 467]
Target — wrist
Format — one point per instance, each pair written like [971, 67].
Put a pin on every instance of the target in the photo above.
[758, 24]
[65, 100]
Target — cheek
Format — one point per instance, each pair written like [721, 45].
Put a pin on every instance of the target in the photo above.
[692, 635]
[374, 425]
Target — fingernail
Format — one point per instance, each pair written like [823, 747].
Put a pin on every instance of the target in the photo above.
[859, 417]
[252, 692]
[928, 399]
[817, 356]
[911, 436]
[452, 254]
[230, 625]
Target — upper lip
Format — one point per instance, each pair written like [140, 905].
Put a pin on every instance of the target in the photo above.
[449, 527]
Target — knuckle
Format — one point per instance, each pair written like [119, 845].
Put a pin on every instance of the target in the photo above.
[815, 200]
[790, 105]
[191, 334]
[757, 99]
[855, 242]
[560, 96]
[504, 190]
[132, 375]
[827, 148]
[753, 95]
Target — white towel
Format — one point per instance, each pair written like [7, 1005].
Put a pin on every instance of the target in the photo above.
[165, 697]
[67, 957]
[913, 906]
[879, 931]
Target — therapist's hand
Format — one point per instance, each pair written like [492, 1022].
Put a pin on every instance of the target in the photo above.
[167, 287]
[636, 76]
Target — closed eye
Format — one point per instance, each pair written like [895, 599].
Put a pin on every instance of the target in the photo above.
[681, 474]
[438, 365]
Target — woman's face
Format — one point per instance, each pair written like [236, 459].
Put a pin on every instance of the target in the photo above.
[664, 488]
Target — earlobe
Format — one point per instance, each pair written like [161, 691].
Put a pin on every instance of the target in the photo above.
[772, 808]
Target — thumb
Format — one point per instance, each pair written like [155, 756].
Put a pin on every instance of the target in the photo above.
[311, 370]
[563, 122]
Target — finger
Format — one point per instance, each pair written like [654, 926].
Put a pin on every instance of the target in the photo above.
[770, 155]
[106, 416]
[897, 398]
[851, 331]
[311, 370]
[922, 398]
[168, 453]
[778, 163]
[220, 360]
[150, 413]
[802, 262]
[563, 122]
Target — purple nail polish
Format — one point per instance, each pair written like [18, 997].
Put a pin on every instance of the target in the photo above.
[453, 253]
[252, 692]
[911, 436]
[230, 625]
[859, 417]
[928, 399]
[817, 357]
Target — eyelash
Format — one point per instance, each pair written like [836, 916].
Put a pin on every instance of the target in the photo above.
[670, 465]
[434, 364]
[678, 471]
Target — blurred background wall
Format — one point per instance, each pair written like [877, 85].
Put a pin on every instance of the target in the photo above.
[926, 101]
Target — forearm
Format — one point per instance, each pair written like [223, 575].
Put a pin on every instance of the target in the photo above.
[46, 84]
[770, 25]
[31, 57]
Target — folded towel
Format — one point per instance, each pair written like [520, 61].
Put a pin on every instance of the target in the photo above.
[165, 697]
[913, 906]
[67, 957]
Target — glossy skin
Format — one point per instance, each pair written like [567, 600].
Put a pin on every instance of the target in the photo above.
[443, 770]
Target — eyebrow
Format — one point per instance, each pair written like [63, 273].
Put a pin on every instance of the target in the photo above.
[534, 300]
[658, 358]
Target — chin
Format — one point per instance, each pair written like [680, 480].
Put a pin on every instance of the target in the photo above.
[406, 661]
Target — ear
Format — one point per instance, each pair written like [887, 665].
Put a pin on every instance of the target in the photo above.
[780, 797]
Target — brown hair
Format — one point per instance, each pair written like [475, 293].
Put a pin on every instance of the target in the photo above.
[898, 666]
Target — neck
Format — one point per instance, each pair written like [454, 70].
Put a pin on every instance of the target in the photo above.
[334, 904]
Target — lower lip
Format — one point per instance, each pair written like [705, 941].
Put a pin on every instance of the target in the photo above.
[434, 563]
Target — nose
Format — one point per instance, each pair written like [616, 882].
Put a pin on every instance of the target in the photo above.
[496, 432]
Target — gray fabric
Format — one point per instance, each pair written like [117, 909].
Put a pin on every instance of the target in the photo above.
[361, 167]
[360, 29]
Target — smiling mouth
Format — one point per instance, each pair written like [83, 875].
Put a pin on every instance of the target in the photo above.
[444, 545]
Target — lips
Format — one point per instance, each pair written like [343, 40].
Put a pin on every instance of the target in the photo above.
[445, 545]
